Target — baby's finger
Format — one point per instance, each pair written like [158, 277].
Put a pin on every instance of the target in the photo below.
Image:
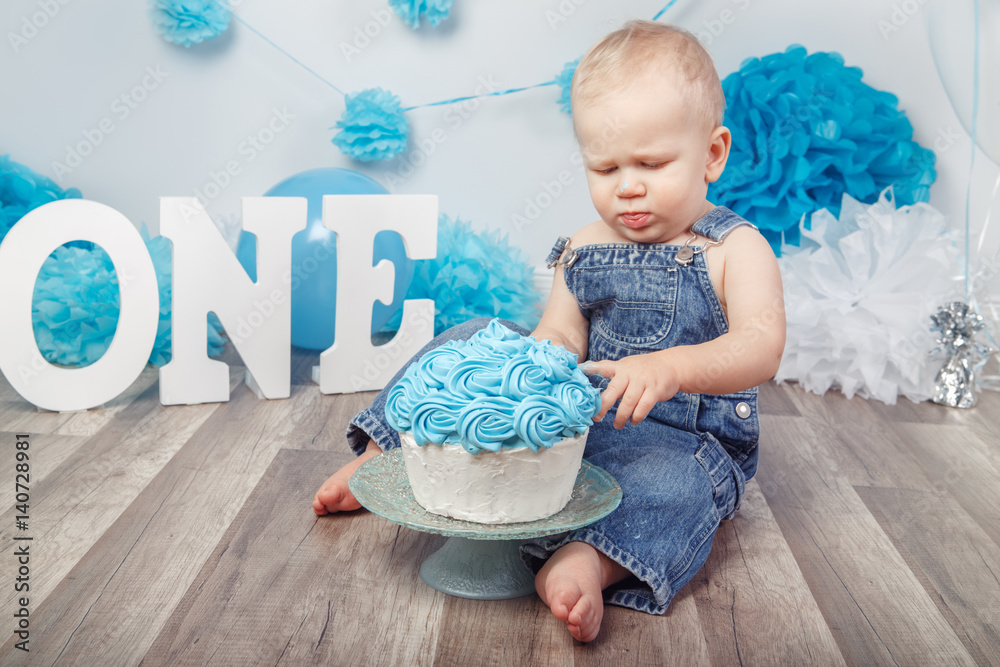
[608, 399]
[602, 368]
[643, 407]
[610, 396]
[627, 404]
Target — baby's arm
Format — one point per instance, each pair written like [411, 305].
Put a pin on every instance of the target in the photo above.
[562, 322]
[744, 357]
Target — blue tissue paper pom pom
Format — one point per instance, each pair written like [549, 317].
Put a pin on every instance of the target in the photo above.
[806, 130]
[433, 11]
[76, 304]
[475, 274]
[564, 79]
[22, 190]
[373, 127]
[187, 22]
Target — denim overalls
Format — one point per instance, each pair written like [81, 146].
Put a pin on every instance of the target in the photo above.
[683, 468]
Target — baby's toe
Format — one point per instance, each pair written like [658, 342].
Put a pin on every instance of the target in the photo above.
[584, 622]
[328, 499]
[562, 598]
[334, 496]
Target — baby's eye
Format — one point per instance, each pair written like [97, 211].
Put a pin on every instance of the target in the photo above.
[653, 165]
[609, 170]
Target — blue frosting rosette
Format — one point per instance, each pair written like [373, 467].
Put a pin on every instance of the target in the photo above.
[498, 389]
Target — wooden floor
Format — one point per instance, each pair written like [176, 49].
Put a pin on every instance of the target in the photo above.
[184, 535]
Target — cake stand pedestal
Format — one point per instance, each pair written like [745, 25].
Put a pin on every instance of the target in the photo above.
[479, 561]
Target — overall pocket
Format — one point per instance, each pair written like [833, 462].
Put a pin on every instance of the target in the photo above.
[728, 481]
[633, 307]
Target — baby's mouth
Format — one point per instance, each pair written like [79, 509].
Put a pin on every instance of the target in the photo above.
[634, 220]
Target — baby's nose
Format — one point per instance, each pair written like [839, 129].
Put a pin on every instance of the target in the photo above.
[629, 188]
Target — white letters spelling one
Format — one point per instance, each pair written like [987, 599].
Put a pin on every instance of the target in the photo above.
[207, 277]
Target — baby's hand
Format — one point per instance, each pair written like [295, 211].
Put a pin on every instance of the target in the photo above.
[640, 381]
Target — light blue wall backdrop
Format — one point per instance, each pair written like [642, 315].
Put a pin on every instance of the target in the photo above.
[162, 120]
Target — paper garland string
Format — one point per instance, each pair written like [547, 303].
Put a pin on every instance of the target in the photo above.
[378, 131]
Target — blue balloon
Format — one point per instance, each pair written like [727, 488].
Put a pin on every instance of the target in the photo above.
[314, 253]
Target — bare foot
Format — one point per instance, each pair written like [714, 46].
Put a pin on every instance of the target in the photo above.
[570, 583]
[334, 495]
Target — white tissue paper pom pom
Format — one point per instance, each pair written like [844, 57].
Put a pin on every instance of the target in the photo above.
[859, 294]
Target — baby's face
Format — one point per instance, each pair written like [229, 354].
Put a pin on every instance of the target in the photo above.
[645, 153]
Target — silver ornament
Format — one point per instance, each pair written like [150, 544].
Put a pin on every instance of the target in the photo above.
[958, 325]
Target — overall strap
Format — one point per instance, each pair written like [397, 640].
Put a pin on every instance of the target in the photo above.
[717, 223]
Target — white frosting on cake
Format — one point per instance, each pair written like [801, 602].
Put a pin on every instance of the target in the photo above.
[507, 486]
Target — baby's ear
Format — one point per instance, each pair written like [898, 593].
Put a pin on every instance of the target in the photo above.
[718, 152]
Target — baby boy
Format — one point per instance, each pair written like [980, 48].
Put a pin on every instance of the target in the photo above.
[673, 306]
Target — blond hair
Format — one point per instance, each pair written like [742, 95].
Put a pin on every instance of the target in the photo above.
[640, 46]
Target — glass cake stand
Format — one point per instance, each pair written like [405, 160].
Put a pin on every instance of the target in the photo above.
[478, 561]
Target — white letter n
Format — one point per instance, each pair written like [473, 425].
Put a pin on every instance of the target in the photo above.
[207, 277]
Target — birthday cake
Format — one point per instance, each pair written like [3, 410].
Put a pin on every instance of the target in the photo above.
[492, 429]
